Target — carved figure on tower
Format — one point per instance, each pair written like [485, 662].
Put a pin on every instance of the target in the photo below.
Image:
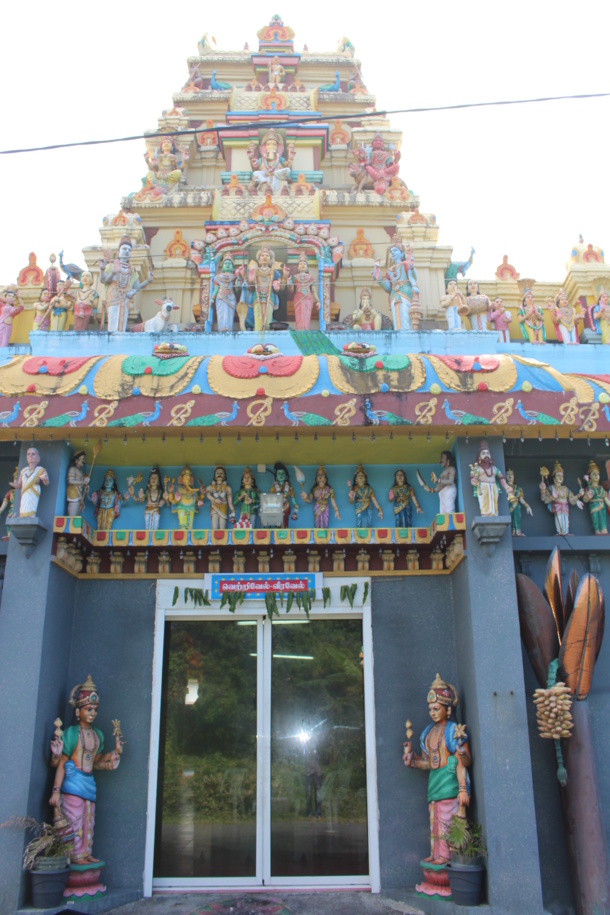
[10, 306]
[595, 496]
[514, 506]
[60, 305]
[247, 501]
[283, 487]
[121, 277]
[402, 496]
[400, 281]
[486, 480]
[601, 316]
[225, 293]
[565, 318]
[452, 301]
[477, 306]
[558, 498]
[185, 498]
[153, 497]
[501, 319]
[380, 164]
[220, 496]
[445, 484]
[165, 167]
[276, 73]
[42, 320]
[86, 297]
[76, 484]
[28, 482]
[270, 169]
[264, 283]
[321, 494]
[531, 319]
[366, 317]
[305, 294]
[362, 496]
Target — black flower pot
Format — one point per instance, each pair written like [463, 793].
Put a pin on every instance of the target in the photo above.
[48, 887]
[466, 882]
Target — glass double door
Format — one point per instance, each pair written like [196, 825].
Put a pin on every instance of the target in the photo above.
[262, 762]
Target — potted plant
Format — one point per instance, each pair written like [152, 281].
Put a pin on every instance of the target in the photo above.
[467, 868]
[46, 857]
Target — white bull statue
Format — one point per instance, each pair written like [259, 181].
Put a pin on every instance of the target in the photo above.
[160, 323]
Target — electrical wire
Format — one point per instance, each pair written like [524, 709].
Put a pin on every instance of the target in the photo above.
[303, 121]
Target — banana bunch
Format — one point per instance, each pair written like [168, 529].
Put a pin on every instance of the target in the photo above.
[553, 711]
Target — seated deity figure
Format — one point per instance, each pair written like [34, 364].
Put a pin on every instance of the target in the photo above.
[445, 754]
[531, 320]
[165, 168]
[185, 498]
[270, 170]
[366, 317]
[383, 164]
[565, 318]
[400, 281]
[121, 277]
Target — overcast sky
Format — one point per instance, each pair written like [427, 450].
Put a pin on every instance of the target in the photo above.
[523, 180]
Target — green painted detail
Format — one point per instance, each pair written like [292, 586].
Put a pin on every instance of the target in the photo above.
[76, 523]
[403, 533]
[160, 535]
[120, 536]
[240, 535]
[199, 535]
[135, 365]
[281, 535]
[396, 363]
[314, 343]
[311, 177]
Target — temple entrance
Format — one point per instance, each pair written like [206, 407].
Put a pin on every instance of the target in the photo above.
[262, 758]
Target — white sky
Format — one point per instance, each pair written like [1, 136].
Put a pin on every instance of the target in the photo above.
[523, 181]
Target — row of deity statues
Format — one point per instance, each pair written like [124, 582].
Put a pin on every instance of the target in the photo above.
[185, 496]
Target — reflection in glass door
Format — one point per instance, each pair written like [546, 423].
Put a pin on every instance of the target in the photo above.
[262, 764]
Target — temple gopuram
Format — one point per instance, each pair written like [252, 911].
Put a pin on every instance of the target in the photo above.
[296, 503]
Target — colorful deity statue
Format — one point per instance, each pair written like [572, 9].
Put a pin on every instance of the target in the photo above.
[10, 306]
[595, 496]
[500, 318]
[486, 480]
[221, 500]
[247, 501]
[322, 495]
[355, 82]
[402, 496]
[445, 484]
[558, 498]
[185, 498]
[305, 294]
[445, 754]
[514, 505]
[122, 280]
[107, 501]
[86, 297]
[477, 306]
[9, 499]
[382, 165]
[601, 316]
[60, 305]
[565, 318]
[42, 311]
[451, 302]
[276, 72]
[362, 496]
[400, 281]
[531, 319]
[264, 283]
[283, 487]
[366, 317]
[153, 497]
[76, 484]
[29, 482]
[270, 170]
[225, 293]
[75, 753]
[165, 168]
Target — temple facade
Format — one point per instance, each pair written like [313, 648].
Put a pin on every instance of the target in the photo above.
[281, 476]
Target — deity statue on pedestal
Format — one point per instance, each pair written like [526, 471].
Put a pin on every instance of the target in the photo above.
[362, 496]
[595, 496]
[270, 170]
[305, 294]
[220, 496]
[184, 497]
[321, 494]
[29, 482]
[564, 317]
[123, 284]
[264, 281]
[531, 319]
[10, 306]
[153, 497]
[514, 505]
[487, 479]
[400, 281]
[558, 498]
[107, 501]
[247, 501]
[402, 496]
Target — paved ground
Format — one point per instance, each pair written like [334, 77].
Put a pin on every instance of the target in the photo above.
[267, 903]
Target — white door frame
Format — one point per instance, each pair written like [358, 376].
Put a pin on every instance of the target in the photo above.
[256, 610]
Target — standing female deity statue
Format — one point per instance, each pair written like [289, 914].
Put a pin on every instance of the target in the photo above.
[85, 300]
[42, 320]
[402, 495]
[123, 284]
[221, 500]
[247, 501]
[477, 306]
[601, 316]
[400, 282]
[225, 293]
[531, 319]
[361, 495]
[595, 496]
[321, 494]
[514, 505]
[305, 294]
[564, 317]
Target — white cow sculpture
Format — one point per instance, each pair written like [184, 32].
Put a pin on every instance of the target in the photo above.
[160, 323]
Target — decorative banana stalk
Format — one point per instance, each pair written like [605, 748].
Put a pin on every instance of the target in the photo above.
[564, 636]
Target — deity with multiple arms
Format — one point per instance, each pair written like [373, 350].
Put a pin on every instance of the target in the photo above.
[270, 170]
[366, 317]
[446, 756]
[185, 498]
[75, 753]
[400, 282]
[558, 498]
[264, 282]
[107, 501]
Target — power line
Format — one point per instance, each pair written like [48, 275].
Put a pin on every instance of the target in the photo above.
[301, 121]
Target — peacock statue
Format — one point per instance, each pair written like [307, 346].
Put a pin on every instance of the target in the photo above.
[216, 419]
[384, 416]
[462, 418]
[9, 416]
[71, 418]
[72, 270]
[217, 84]
[138, 419]
[308, 419]
[533, 416]
[332, 87]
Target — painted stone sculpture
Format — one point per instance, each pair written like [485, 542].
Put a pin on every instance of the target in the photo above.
[564, 317]
[400, 281]
[220, 496]
[270, 170]
[361, 495]
[283, 487]
[477, 306]
[380, 165]
[500, 318]
[264, 283]
[321, 494]
[86, 297]
[445, 754]
[165, 169]
[9, 500]
[42, 311]
[486, 480]
[558, 498]
[402, 496]
[452, 302]
[60, 306]
[514, 505]
[107, 501]
[10, 306]
[595, 496]
[121, 277]
[153, 497]
[29, 482]
[305, 294]
[601, 316]
[75, 753]
[445, 484]
[76, 484]
[531, 319]
[247, 501]
[366, 317]
[184, 497]
[225, 293]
